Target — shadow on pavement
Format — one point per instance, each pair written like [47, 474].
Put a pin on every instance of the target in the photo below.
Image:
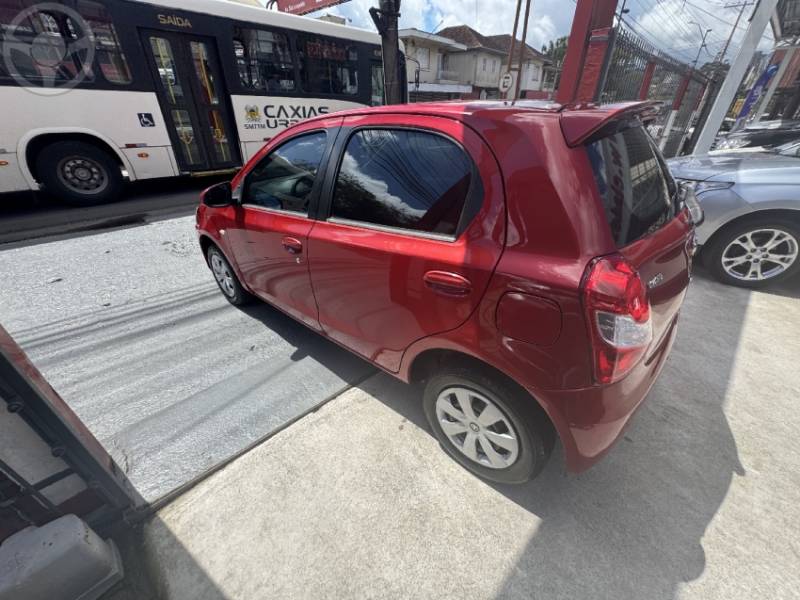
[632, 526]
[28, 218]
[142, 573]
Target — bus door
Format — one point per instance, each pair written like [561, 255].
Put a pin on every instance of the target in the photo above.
[193, 98]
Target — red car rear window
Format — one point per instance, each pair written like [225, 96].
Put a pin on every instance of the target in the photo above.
[635, 187]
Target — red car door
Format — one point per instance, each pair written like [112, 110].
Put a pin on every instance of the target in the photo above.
[269, 234]
[415, 226]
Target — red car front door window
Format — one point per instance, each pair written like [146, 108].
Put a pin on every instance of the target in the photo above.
[271, 227]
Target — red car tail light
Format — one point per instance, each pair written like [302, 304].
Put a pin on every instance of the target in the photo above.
[618, 315]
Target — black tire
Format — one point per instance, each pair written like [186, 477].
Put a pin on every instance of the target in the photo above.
[714, 251]
[96, 174]
[534, 434]
[232, 289]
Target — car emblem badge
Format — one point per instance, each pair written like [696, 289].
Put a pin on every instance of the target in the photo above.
[655, 281]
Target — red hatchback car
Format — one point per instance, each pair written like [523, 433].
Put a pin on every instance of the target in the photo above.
[525, 264]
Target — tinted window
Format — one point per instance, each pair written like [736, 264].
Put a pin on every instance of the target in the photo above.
[264, 60]
[328, 66]
[64, 43]
[108, 53]
[403, 178]
[285, 177]
[57, 58]
[633, 184]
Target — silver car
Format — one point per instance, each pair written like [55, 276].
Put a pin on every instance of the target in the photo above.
[751, 200]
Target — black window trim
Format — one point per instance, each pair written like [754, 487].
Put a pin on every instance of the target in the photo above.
[332, 134]
[472, 202]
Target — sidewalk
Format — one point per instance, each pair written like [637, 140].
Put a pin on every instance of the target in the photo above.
[700, 500]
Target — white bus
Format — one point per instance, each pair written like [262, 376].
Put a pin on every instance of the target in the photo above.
[96, 92]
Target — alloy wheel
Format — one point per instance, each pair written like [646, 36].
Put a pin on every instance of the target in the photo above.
[760, 254]
[477, 427]
[223, 275]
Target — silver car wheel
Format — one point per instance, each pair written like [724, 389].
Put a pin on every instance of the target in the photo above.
[477, 427]
[760, 254]
[223, 275]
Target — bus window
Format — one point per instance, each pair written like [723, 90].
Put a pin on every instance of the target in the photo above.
[267, 60]
[109, 55]
[241, 63]
[50, 64]
[328, 67]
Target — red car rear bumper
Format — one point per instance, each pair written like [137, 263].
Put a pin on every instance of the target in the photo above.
[594, 418]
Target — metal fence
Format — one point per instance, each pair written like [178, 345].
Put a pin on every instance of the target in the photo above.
[637, 70]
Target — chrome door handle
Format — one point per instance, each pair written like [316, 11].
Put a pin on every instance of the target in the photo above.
[292, 245]
[447, 284]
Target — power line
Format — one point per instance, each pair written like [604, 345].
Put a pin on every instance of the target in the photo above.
[661, 14]
[710, 14]
[660, 10]
[647, 37]
[673, 19]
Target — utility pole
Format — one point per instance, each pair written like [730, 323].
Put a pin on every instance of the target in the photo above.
[727, 92]
[713, 81]
[385, 19]
[702, 43]
[742, 6]
[516, 81]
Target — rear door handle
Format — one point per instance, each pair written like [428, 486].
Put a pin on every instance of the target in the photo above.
[447, 284]
[292, 245]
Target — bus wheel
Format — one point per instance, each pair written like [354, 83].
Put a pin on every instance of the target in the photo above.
[78, 173]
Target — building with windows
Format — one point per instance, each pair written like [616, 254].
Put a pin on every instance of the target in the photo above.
[534, 64]
[486, 59]
[459, 62]
[428, 69]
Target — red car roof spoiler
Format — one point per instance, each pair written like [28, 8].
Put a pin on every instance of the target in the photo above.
[581, 122]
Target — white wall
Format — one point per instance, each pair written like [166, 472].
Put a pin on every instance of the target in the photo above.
[421, 51]
[532, 74]
[488, 68]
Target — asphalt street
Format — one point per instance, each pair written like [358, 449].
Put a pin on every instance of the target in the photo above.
[29, 217]
[128, 325]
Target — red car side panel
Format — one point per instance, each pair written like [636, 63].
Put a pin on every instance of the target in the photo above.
[370, 284]
[555, 227]
[267, 268]
[251, 239]
[524, 255]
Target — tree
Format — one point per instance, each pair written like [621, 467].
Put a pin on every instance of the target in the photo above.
[555, 50]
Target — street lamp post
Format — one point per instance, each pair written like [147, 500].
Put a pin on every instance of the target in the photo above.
[702, 42]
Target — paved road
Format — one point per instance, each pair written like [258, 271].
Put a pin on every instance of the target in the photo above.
[129, 326]
[27, 217]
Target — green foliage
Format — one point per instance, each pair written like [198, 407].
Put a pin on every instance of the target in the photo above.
[555, 50]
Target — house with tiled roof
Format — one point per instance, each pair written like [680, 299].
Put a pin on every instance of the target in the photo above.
[427, 67]
[533, 64]
[486, 58]
[459, 62]
[479, 65]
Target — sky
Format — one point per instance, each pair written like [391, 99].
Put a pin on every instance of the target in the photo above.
[667, 24]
